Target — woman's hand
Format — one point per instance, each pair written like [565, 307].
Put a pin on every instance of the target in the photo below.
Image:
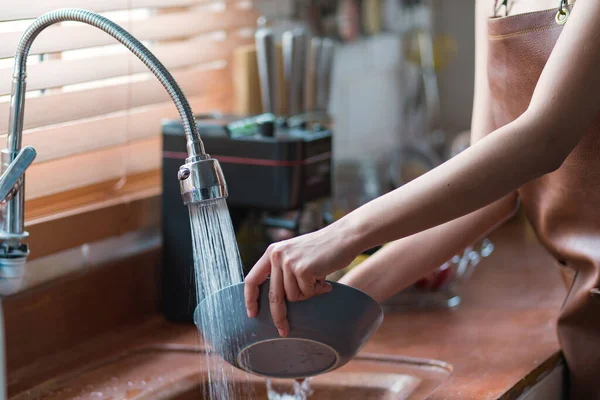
[298, 268]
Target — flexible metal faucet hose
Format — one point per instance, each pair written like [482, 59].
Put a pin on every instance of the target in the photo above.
[195, 147]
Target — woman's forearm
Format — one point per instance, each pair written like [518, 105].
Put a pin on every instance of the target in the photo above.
[489, 170]
[403, 262]
[563, 105]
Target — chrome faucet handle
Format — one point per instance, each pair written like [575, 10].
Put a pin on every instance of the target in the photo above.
[11, 177]
[13, 253]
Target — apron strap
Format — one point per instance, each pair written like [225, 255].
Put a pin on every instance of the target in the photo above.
[498, 4]
[561, 17]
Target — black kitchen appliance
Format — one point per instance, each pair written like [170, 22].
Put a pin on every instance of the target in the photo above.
[275, 173]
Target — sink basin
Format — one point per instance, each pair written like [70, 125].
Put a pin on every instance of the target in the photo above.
[365, 378]
[179, 373]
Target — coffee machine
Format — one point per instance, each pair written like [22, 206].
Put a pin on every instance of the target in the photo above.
[278, 173]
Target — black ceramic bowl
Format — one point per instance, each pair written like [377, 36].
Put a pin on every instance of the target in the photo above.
[326, 331]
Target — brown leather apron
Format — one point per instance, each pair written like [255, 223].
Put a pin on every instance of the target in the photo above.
[564, 206]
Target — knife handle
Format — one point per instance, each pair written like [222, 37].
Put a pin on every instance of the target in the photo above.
[267, 69]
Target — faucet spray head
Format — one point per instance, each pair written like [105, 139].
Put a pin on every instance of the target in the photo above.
[201, 180]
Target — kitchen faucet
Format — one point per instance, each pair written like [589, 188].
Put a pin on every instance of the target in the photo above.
[201, 176]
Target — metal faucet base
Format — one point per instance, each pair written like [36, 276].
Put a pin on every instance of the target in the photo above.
[12, 268]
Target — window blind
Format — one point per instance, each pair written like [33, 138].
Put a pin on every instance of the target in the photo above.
[93, 111]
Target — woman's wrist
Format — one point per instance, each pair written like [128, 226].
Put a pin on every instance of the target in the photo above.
[350, 235]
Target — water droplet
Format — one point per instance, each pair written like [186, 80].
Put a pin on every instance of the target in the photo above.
[132, 393]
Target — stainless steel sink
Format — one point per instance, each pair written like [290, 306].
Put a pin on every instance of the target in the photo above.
[180, 373]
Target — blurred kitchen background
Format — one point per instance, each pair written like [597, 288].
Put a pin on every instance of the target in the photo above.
[402, 72]
[397, 92]
[400, 86]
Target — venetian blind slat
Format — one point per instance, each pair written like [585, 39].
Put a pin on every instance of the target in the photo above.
[57, 73]
[68, 106]
[112, 129]
[61, 175]
[27, 9]
[170, 26]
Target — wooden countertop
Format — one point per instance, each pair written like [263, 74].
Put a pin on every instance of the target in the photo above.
[498, 341]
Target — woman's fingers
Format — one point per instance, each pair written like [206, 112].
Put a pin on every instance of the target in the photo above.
[311, 287]
[292, 290]
[322, 287]
[288, 282]
[277, 301]
[255, 278]
[307, 286]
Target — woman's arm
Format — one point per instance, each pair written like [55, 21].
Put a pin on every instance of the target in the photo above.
[404, 261]
[565, 101]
